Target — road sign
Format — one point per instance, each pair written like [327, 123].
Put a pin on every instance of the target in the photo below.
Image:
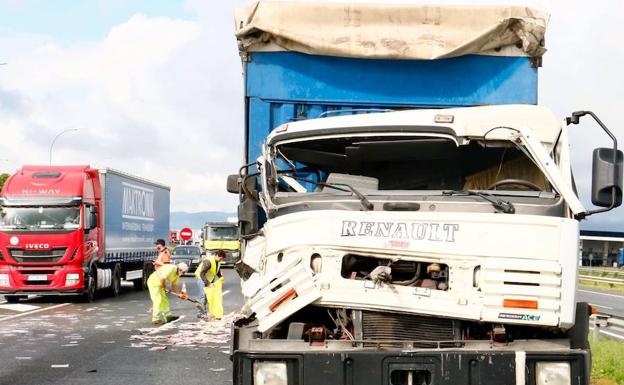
[186, 233]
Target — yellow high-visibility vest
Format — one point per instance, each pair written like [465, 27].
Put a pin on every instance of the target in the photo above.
[211, 274]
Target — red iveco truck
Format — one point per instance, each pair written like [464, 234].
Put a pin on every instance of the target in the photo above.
[72, 230]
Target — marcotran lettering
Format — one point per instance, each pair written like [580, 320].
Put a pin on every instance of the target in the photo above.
[138, 202]
[434, 232]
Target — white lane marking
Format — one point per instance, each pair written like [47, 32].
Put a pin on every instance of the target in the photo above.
[59, 366]
[609, 334]
[20, 307]
[34, 311]
[225, 292]
[597, 292]
[23, 358]
[602, 306]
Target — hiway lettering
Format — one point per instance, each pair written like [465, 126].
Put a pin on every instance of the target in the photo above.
[419, 231]
[41, 191]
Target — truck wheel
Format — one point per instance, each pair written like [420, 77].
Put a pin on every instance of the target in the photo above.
[12, 298]
[141, 284]
[116, 280]
[90, 284]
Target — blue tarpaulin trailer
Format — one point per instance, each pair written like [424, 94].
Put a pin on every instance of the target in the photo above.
[136, 214]
[283, 86]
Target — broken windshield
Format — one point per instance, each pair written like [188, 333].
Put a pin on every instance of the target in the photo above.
[373, 164]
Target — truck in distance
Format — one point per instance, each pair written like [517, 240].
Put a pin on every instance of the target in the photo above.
[222, 236]
[408, 213]
[72, 230]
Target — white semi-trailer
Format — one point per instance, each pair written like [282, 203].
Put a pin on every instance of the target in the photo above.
[411, 245]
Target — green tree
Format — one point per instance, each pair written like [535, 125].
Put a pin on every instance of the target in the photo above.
[3, 177]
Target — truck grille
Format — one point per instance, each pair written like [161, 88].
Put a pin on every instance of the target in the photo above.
[37, 256]
[510, 279]
[408, 327]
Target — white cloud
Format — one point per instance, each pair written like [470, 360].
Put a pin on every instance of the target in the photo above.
[149, 99]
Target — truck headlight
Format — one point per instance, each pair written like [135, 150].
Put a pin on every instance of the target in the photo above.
[72, 279]
[195, 260]
[270, 373]
[552, 373]
[4, 280]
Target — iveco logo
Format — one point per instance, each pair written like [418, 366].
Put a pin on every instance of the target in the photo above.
[37, 246]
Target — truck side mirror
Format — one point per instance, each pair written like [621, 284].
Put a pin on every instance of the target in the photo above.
[91, 218]
[606, 170]
[233, 183]
[607, 177]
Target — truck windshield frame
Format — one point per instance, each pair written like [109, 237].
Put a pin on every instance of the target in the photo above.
[498, 156]
[40, 218]
[221, 233]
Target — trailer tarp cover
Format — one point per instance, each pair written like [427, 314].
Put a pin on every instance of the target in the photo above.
[391, 31]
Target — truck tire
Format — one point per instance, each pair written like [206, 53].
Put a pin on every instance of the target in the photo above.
[12, 298]
[90, 284]
[116, 281]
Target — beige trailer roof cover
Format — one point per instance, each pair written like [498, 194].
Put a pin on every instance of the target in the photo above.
[390, 31]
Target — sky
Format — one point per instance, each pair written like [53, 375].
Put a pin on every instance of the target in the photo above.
[155, 88]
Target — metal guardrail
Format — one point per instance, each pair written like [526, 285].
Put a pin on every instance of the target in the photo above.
[601, 279]
[607, 325]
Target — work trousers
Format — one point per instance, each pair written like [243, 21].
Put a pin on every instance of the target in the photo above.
[215, 299]
[160, 303]
[201, 296]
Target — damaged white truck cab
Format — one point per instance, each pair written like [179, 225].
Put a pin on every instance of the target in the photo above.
[424, 228]
[454, 218]
[428, 233]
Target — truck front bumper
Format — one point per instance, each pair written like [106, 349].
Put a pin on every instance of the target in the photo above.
[439, 367]
[41, 292]
[41, 280]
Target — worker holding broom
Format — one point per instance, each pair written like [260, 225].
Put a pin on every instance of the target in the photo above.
[157, 284]
[209, 271]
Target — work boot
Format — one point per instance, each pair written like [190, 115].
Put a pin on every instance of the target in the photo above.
[158, 322]
[171, 318]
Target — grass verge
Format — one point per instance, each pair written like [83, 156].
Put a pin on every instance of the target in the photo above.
[601, 286]
[607, 362]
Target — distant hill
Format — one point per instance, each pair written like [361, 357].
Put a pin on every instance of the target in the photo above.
[181, 219]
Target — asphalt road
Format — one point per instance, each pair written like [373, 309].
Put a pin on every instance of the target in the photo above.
[112, 341]
[607, 302]
[56, 341]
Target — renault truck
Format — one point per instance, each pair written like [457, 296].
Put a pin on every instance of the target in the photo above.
[73, 230]
[408, 211]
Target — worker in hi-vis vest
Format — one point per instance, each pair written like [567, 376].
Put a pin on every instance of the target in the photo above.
[209, 271]
[157, 283]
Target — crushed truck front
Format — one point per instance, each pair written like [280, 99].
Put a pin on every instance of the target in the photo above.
[409, 242]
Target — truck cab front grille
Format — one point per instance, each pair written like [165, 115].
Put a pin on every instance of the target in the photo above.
[37, 256]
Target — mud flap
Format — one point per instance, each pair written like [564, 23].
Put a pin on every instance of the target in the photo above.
[289, 289]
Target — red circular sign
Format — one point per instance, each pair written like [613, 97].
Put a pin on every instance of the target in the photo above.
[186, 233]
